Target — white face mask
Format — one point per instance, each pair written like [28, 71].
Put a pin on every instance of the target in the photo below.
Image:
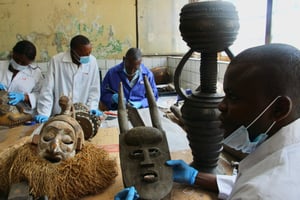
[136, 73]
[239, 139]
[16, 66]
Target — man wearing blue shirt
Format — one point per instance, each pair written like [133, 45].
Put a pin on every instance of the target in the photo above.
[130, 72]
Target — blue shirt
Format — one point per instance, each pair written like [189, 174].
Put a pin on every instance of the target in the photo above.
[137, 92]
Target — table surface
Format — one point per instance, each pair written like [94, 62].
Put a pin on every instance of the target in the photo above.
[108, 137]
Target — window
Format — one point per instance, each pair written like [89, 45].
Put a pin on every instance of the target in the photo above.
[253, 15]
[285, 16]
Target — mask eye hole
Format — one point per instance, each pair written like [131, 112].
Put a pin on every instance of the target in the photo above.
[48, 136]
[67, 141]
[154, 152]
[137, 154]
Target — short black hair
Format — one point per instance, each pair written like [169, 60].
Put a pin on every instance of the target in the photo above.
[134, 53]
[26, 48]
[79, 40]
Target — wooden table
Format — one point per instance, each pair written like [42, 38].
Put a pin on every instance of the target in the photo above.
[108, 139]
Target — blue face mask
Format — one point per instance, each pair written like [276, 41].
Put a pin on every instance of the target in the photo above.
[239, 139]
[84, 59]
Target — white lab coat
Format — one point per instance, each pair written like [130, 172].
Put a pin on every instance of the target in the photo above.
[28, 81]
[66, 78]
[272, 171]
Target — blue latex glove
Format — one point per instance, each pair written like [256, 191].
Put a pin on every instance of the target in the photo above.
[41, 118]
[114, 98]
[2, 86]
[127, 194]
[182, 172]
[15, 97]
[136, 104]
[96, 112]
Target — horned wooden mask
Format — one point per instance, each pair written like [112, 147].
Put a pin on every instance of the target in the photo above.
[144, 150]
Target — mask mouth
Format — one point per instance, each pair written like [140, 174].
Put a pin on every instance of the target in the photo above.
[53, 158]
[150, 176]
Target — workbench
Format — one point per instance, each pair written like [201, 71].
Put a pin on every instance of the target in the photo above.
[108, 137]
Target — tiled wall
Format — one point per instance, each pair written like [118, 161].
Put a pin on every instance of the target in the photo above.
[190, 75]
[104, 65]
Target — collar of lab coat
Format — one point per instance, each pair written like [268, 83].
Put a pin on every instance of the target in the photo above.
[287, 135]
[67, 57]
[85, 68]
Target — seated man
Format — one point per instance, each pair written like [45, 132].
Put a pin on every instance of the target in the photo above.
[130, 72]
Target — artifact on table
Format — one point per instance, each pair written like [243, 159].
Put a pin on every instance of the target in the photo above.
[144, 150]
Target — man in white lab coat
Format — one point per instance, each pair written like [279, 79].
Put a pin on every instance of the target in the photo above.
[73, 73]
[260, 113]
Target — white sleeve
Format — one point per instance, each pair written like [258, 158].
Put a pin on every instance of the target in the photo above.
[94, 88]
[46, 98]
[225, 184]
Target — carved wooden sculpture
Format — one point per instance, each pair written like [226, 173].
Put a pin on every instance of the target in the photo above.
[58, 163]
[144, 150]
[89, 123]
[11, 116]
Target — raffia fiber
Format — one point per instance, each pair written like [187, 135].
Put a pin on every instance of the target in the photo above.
[91, 171]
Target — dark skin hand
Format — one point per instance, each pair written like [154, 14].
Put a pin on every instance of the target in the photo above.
[207, 181]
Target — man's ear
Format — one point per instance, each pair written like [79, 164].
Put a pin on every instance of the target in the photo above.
[35, 139]
[283, 107]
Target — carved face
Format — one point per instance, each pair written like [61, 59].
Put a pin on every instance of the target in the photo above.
[143, 153]
[57, 141]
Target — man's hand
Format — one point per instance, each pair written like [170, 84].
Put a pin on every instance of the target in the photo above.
[182, 172]
[2, 87]
[114, 98]
[15, 97]
[127, 194]
[96, 112]
[136, 104]
[41, 118]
